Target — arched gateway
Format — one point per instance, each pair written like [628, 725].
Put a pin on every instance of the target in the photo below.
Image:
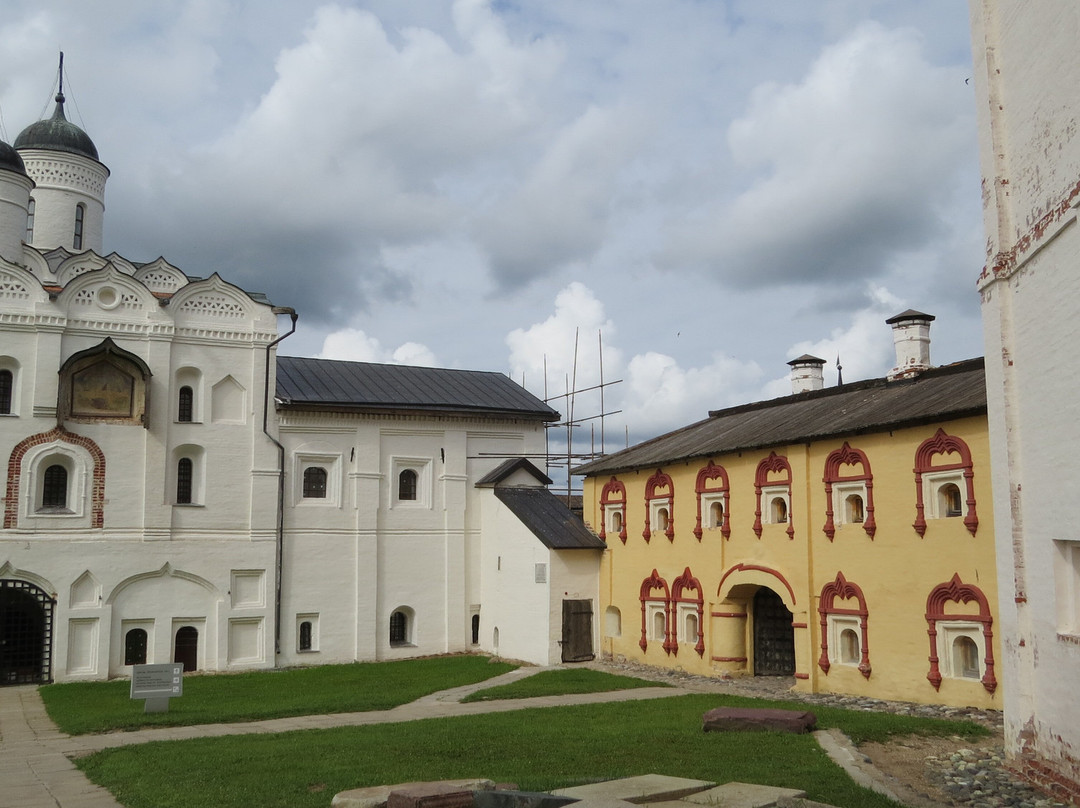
[26, 621]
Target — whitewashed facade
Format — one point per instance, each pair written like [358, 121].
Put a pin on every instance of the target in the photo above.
[1028, 108]
[164, 501]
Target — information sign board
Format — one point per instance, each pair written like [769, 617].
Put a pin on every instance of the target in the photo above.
[157, 684]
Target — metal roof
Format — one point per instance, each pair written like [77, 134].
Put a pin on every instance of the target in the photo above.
[548, 518]
[57, 134]
[875, 405]
[305, 383]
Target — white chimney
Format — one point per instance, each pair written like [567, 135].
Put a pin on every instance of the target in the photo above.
[806, 374]
[911, 338]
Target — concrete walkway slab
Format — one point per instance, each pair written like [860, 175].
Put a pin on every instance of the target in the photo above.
[641, 789]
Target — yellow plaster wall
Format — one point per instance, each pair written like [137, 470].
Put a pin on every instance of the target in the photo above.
[896, 570]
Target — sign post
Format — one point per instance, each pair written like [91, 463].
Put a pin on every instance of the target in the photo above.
[157, 684]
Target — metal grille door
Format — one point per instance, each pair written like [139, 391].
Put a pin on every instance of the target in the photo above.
[26, 623]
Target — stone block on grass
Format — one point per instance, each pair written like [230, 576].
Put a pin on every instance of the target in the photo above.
[519, 799]
[379, 796]
[758, 719]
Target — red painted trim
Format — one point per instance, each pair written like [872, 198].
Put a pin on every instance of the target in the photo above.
[740, 567]
[728, 659]
[651, 583]
[773, 463]
[687, 581]
[799, 625]
[941, 443]
[704, 477]
[842, 589]
[660, 480]
[613, 493]
[846, 456]
[956, 591]
[802, 675]
[97, 489]
[742, 615]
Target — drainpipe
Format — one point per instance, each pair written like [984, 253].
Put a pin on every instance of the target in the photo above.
[280, 527]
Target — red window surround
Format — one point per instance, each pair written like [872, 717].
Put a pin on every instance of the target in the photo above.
[846, 456]
[97, 483]
[659, 481]
[830, 593]
[687, 582]
[775, 464]
[613, 493]
[707, 484]
[956, 591]
[653, 583]
[924, 462]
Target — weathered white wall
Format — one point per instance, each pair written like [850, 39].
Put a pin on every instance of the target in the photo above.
[1029, 121]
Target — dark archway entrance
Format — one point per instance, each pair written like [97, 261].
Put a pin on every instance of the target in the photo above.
[26, 621]
[774, 638]
[187, 647]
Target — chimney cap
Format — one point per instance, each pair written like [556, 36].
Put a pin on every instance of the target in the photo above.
[806, 359]
[910, 314]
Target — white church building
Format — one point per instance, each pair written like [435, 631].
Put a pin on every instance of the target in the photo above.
[175, 491]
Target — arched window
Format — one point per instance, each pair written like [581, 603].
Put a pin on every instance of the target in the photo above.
[185, 478]
[772, 491]
[54, 489]
[853, 508]
[314, 482]
[661, 519]
[849, 647]
[186, 405]
[950, 502]
[135, 647]
[616, 522]
[80, 215]
[713, 500]
[965, 662]
[779, 511]
[30, 221]
[613, 510]
[399, 628]
[407, 485]
[716, 514]
[476, 629]
[7, 388]
[305, 636]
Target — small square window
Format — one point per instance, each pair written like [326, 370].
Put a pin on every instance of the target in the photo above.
[943, 494]
[845, 640]
[775, 505]
[961, 649]
[317, 479]
[307, 633]
[849, 503]
[410, 482]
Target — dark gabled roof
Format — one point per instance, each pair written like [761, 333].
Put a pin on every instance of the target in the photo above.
[508, 467]
[875, 405]
[548, 518]
[331, 384]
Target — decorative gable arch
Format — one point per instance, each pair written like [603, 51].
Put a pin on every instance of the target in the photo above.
[847, 456]
[212, 299]
[684, 583]
[613, 494]
[713, 479]
[15, 463]
[659, 481]
[773, 464]
[652, 584]
[842, 589]
[956, 591]
[944, 444]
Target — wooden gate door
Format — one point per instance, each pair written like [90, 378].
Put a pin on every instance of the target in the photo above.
[774, 638]
[187, 648]
[577, 631]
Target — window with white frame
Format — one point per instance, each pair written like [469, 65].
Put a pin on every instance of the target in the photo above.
[188, 402]
[7, 389]
[317, 478]
[775, 504]
[307, 633]
[961, 649]
[712, 509]
[57, 481]
[402, 627]
[410, 482]
[845, 640]
[689, 624]
[656, 619]
[1067, 586]
[660, 514]
[849, 503]
[613, 518]
[188, 483]
[943, 494]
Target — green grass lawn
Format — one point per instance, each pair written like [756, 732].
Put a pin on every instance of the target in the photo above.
[560, 682]
[538, 749]
[81, 707]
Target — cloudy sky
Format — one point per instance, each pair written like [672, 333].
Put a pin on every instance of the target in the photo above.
[707, 187]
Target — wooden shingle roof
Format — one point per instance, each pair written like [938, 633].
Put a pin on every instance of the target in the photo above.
[953, 391]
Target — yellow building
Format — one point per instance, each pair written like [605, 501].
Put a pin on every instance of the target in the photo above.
[840, 535]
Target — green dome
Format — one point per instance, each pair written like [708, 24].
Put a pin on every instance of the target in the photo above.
[10, 160]
[57, 134]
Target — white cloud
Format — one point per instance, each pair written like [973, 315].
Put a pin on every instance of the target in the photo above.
[353, 345]
[847, 165]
